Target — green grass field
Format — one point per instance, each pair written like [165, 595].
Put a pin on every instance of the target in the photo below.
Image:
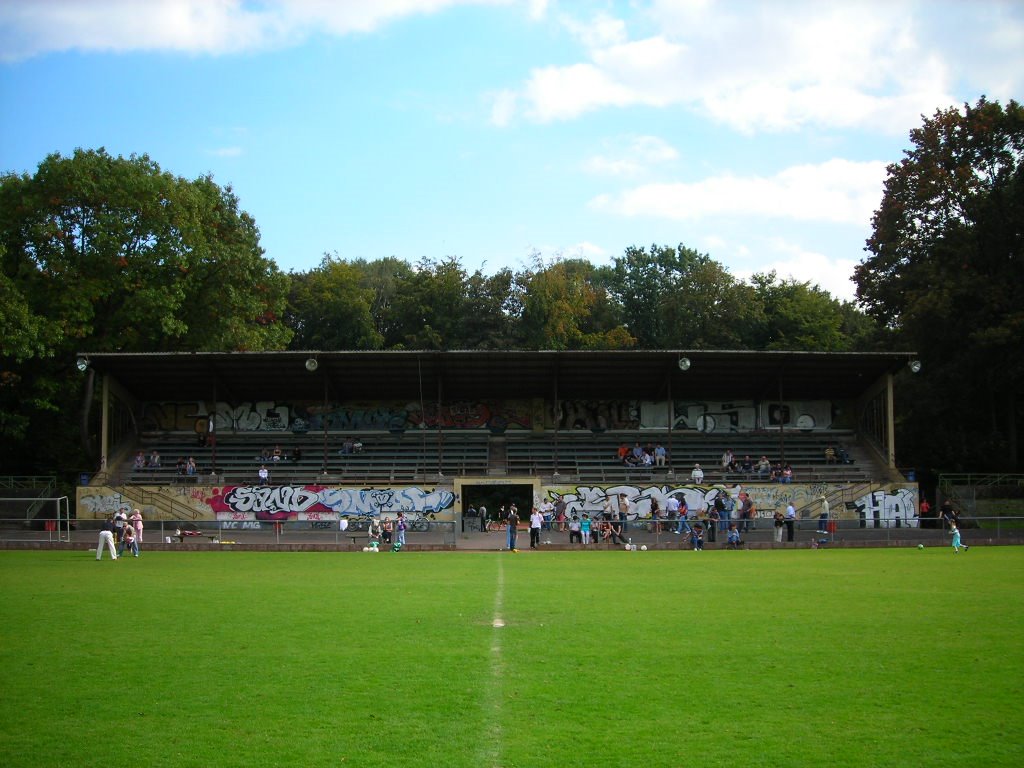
[778, 658]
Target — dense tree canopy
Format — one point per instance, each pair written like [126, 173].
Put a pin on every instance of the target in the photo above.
[102, 253]
[945, 273]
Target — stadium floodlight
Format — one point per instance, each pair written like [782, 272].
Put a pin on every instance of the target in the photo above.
[684, 363]
[915, 366]
[312, 364]
[82, 364]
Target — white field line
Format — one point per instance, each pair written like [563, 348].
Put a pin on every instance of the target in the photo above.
[491, 746]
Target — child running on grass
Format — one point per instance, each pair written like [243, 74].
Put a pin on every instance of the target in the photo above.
[956, 539]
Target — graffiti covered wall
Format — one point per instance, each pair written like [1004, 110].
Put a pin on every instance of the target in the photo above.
[894, 507]
[273, 503]
[707, 416]
[880, 508]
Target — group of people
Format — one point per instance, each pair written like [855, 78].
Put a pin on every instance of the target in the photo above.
[185, 466]
[763, 468]
[119, 532]
[142, 461]
[385, 529]
[582, 530]
[642, 456]
[277, 454]
[350, 445]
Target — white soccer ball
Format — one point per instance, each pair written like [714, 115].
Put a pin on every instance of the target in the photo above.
[366, 549]
[643, 547]
[628, 548]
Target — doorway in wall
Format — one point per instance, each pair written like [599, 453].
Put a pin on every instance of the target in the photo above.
[493, 497]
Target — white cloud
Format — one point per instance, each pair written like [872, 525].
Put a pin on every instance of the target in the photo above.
[789, 260]
[771, 66]
[602, 29]
[633, 157]
[834, 191]
[587, 250]
[31, 27]
[503, 107]
[226, 152]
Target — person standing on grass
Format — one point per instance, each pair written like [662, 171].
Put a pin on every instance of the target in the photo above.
[136, 521]
[956, 539]
[624, 511]
[790, 521]
[536, 523]
[402, 524]
[823, 517]
[512, 527]
[106, 540]
[683, 513]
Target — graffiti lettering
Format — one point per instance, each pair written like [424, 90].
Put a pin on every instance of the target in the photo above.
[283, 498]
[102, 506]
[888, 509]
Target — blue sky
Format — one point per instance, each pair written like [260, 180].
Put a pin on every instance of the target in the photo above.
[757, 133]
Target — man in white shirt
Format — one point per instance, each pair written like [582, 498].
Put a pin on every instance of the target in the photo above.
[536, 522]
[698, 474]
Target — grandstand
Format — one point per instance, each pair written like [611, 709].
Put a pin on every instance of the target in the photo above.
[435, 425]
[386, 457]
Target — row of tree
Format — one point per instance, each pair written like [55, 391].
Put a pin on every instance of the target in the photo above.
[659, 297]
[103, 253]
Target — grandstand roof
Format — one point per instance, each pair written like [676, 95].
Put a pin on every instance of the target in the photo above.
[450, 375]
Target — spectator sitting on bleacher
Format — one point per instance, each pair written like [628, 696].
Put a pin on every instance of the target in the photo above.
[660, 455]
[787, 474]
[265, 454]
[697, 475]
[844, 457]
[276, 456]
[346, 446]
[154, 460]
[777, 472]
[190, 466]
[297, 454]
[747, 466]
[764, 468]
[357, 446]
[648, 459]
[830, 455]
[140, 460]
[728, 461]
[180, 466]
[264, 474]
[636, 456]
[733, 537]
